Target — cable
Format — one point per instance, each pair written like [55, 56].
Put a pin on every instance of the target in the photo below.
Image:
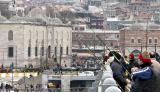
[102, 63]
[113, 54]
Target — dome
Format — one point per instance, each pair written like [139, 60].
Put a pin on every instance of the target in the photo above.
[2, 18]
[17, 19]
[106, 75]
[99, 75]
[108, 68]
[109, 81]
[112, 89]
[55, 21]
[37, 12]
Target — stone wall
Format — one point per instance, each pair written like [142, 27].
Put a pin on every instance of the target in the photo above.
[30, 35]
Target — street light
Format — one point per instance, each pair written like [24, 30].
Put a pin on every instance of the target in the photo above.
[155, 47]
[141, 48]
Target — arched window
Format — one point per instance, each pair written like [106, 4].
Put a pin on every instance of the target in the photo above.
[139, 40]
[132, 39]
[49, 51]
[36, 48]
[67, 50]
[10, 52]
[10, 35]
[29, 48]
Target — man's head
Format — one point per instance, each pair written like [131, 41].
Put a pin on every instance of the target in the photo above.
[152, 54]
[116, 55]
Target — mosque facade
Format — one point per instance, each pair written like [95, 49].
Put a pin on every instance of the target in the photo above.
[34, 40]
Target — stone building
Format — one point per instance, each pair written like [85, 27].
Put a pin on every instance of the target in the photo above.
[88, 37]
[140, 37]
[34, 39]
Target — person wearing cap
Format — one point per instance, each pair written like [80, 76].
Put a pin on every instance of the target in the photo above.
[132, 62]
[144, 77]
[155, 56]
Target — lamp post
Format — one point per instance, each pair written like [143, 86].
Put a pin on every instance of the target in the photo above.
[155, 47]
[141, 48]
[146, 34]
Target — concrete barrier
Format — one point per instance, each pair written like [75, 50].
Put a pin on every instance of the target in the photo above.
[112, 89]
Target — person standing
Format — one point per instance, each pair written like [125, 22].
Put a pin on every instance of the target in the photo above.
[132, 62]
[118, 68]
[145, 77]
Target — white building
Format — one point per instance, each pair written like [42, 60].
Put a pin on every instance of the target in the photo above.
[35, 40]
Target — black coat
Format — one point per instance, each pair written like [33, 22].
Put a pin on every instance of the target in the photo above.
[132, 63]
[118, 74]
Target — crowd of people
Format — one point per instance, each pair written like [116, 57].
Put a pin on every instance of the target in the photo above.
[141, 74]
[7, 87]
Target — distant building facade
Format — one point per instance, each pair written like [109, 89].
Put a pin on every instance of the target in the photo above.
[138, 38]
[36, 41]
[96, 22]
[88, 37]
[97, 3]
[116, 24]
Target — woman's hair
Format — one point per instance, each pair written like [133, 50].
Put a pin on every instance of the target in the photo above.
[146, 64]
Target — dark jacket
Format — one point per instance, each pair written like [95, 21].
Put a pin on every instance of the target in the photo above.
[151, 83]
[132, 63]
[118, 74]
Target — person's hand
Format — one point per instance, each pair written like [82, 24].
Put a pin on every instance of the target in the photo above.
[128, 81]
[134, 69]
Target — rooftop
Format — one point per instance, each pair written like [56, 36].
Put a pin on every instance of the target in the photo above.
[143, 26]
[97, 31]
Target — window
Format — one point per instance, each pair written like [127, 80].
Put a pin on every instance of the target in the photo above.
[82, 28]
[132, 40]
[36, 51]
[117, 36]
[76, 28]
[49, 51]
[29, 51]
[155, 40]
[55, 51]
[10, 35]
[139, 40]
[150, 41]
[10, 51]
[111, 44]
[61, 50]
[42, 51]
[67, 50]
[36, 48]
